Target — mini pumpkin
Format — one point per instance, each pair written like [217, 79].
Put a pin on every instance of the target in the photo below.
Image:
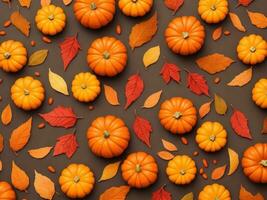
[107, 56]
[259, 92]
[13, 56]
[108, 136]
[77, 180]
[6, 191]
[254, 163]
[50, 19]
[181, 170]
[135, 8]
[85, 87]
[214, 192]
[211, 136]
[94, 14]
[213, 11]
[252, 49]
[27, 93]
[185, 35]
[178, 115]
[139, 170]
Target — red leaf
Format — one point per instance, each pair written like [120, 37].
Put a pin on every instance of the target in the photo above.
[170, 71]
[197, 84]
[142, 129]
[60, 117]
[66, 144]
[69, 49]
[244, 2]
[161, 194]
[239, 123]
[174, 4]
[133, 89]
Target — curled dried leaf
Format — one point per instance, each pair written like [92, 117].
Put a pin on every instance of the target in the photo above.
[233, 161]
[168, 145]
[241, 79]
[19, 178]
[6, 116]
[40, 152]
[111, 95]
[218, 172]
[165, 155]
[110, 171]
[152, 100]
[237, 22]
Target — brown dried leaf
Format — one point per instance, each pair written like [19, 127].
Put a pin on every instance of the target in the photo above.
[1, 142]
[165, 155]
[152, 100]
[45, 2]
[204, 109]
[20, 22]
[264, 126]
[168, 145]
[217, 33]
[67, 2]
[110, 171]
[19, 178]
[115, 193]
[220, 105]
[44, 186]
[6, 116]
[25, 3]
[218, 172]
[241, 79]
[233, 161]
[111, 95]
[40, 152]
[258, 19]
[236, 22]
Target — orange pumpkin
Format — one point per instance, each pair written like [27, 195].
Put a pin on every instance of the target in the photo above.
[94, 13]
[254, 163]
[259, 92]
[135, 8]
[214, 192]
[108, 136]
[178, 115]
[6, 191]
[139, 170]
[185, 35]
[107, 56]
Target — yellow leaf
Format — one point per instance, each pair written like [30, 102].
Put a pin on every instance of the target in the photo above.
[40, 152]
[168, 145]
[58, 83]
[220, 105]
[151, 56]
[115, 193]
[20, 22]
[1, 142]
[67, 2]
[241, 79]
[25, 3]
[20, 136]
[111, 95]
[236, 22]
[45, 2]
[6, 115]
[152, 100]
[110, 171]
[204, 109]
[165, 155]
[218, 172]
[44, 186]
[19, 178]
[258, 19]
[189, 196]
[38, 57]
[233, 161]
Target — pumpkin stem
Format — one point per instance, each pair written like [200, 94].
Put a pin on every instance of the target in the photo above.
[7, 55]
[182, 172]
[106, 134]
[216, 198]
[213, 7]
[26, 92]
[185, 35]
[177, 115]
[76, 179]
[93, 6]
[263, 163]
[106, 55]
[212, 138]
[252, 49]
[83, 86]
[138, 168]
[134, 1]
[51, 17]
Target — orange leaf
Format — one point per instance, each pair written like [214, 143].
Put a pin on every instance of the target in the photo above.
[168, 145]
[19, 178]
[44, 186]
[165, 155]
[111, 95]
[45, 2]
[241, 79]
[246, 195]
[152, 100]
[236, 22]
[218, 172]
[204, 109]
[264, 127]
[214, 63]
[6, 115]
[67, 2]
[20, 22]
[40, 152]
[110, 171]
[20, 136]
[233, 160]
[143, 32]
[1, 165]
[118, 193]
[1, 143]
[25, 3]
[258, 19]
[217, 33]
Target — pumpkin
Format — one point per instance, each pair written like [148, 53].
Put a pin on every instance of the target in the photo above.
[139, 170]
[254, 163]
[259, 92]
[76, 180]
[213, 11]
[178, 115]
[185, 35]
[85, 87]
[50, 19]
[252, 49]
[27, 93]
[107, 56]
[6, 191]
[214, 192]
[13, 56]
[135, 8]
[108, 136]
[94, 13]
[211, 136]
[181, 170]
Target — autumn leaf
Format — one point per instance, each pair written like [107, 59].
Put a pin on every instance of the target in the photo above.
[233, 161]
[197, 84]
[214, 63]
[60, 117]
[66, 144]
[258, 19]
[217, 33]
[204, 109]
[161, 194]
[69, 49]
[173, 4]
[1, 142]
[57, 83]
[67, 2]
[44, 186]
[25, 3]
[218, 172]
[165, 155]
[38, 57]
[169, 72]
[45, 2]
[133, 89]
[115, 193]
[20, 136]
[1, 165]
[168, 145]
[236, 22]
[111, 95]
[110, 171]
[40, 152]
[19, 178]
[151, 56]
[220, 105]
[143, 32]
[264, 126]
[246, 195]
[6, 116]
[239, 123]
[152, 100]
[244, 2]
[142, 129]
[241, 79]
[20, 22]
[189, 196]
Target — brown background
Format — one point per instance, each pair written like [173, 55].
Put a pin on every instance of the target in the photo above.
[238, 97]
